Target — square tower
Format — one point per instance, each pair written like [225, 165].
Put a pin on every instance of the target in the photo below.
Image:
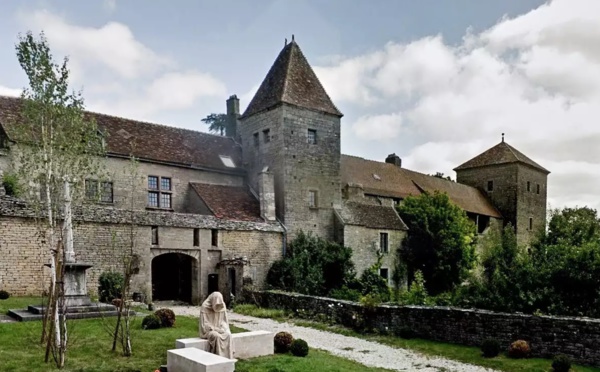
[516, 185]
[292, 128]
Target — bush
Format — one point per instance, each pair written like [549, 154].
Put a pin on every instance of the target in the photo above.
[4, 295]
[561, 363]
[519, 349]
[151, 322]
[110, 285]
[374, 284]
[283, 342]
[299, 348]
[490, 348]
[11, 184]
[345, 293]
[166, 316]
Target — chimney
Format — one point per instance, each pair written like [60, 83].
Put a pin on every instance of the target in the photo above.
[233, 114]
[354, 191]
[266, 194]
[394, 159]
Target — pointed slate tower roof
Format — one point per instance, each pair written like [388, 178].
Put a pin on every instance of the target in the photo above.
[291, 80]
[502, 153]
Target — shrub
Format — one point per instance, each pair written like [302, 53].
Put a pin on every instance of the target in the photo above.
[299, 348]
[345, 293]
[166, 316]
[4, 295]
[283, 342]
[374, 284]
[561, 363]
[519, 349]
[110, 285]
[11, 184]
[490, 348]
[151, 322]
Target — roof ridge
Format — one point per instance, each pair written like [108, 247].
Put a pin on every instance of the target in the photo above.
[512, 151]
[287, 71]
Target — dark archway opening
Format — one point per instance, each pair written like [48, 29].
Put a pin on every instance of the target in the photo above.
[172, 277]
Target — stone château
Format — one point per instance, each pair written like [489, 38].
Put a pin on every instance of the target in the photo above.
[212, 211]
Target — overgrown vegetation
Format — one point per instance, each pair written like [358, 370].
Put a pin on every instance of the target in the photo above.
[110, 286]
[11, 184]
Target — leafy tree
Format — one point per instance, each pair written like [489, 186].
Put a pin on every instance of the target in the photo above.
[440, 243]
[313, 266]
[217, 123]
[57, 148]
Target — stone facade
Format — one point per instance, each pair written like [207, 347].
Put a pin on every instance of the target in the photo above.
[299, 167]
[547, 335]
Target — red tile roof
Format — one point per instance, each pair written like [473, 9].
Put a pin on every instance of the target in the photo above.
[229, 202]
[502, 153]
[151, 141]
[389, 180]
[371, 216]
[291, 80]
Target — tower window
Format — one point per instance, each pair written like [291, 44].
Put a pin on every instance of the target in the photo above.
[383, 242]
[312, 136]
[266, 135]
[530, 223]
[538, 188]
[490, 186]
[312, 198]
[528, 186]
[256, 140]
[215, 238]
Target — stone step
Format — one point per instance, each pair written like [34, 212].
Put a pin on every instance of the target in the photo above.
[40, 309]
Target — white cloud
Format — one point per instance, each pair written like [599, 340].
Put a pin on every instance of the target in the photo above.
[181, 89]
[5, 91]
[378, 127]
[110, 5]
[535, 77]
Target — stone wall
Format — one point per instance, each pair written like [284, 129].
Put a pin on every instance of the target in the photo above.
[531, 204]
[102, 236]
[547, 335]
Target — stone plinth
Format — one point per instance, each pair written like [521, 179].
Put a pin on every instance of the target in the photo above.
[246, 345]
[196, 360]
[75, 284]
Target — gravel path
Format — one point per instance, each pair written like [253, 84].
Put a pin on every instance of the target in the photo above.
[368, 353]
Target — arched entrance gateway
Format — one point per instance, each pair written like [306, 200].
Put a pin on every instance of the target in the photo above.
[173, 277]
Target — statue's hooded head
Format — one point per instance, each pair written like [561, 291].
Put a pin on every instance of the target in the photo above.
[215, 303]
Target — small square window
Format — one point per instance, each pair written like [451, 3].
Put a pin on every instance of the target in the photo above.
[312, 198]
[153, 182]
[196, 237]
[528, 186]
[165, 184]
[256, 140]
[153, 199]
[312, 136]
[267, 135]
[538, 188]
[154, 235]
[165, 200]
[383, 242]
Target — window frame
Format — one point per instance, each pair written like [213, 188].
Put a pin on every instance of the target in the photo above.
[530, 223]
[154, 235]
[384, 237]
[311, 140]
[196, 237]
[159, 192]
[214, 237]
[98, 196]
[256, 139]
[538, 188]
[490, 186]
[313, 203]
[266, 135]
[528, 186]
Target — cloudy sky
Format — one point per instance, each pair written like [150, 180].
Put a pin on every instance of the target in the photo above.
[435, 81]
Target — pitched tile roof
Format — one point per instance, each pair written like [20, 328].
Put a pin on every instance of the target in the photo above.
[151, 141]
[389, 180]
[371, 216]
[291, 80]
[229, 202]
[502, 153]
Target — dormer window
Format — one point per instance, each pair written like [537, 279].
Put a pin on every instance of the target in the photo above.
[227, 161]
[376, 176]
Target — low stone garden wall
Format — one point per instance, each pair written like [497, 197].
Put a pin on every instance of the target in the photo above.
[547, 335]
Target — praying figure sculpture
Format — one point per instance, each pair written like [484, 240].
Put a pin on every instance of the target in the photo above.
[214, 325]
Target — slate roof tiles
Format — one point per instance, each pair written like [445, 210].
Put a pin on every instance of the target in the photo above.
[229, 202]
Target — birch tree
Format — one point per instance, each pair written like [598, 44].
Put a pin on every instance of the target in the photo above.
[57, 148]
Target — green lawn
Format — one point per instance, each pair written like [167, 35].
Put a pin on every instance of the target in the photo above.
[20, 349]
[466, 354]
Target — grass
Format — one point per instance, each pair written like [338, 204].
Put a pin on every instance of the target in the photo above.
[90, 344]
[461, 353]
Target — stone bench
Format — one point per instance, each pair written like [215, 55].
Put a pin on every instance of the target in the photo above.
[245, 345]
[196, 360]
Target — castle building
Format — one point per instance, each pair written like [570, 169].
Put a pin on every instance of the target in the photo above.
[214, 211]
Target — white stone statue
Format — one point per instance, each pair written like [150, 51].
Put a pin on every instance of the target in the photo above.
[214, 325]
